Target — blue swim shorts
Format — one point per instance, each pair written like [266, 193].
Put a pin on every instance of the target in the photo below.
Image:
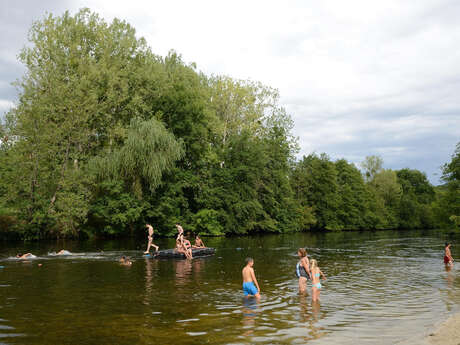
[249, 288]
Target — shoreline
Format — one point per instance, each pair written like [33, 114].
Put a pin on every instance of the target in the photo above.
[446, 333]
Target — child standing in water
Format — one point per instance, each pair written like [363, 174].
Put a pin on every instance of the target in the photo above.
[315, 277]
[448, 259]
[250, 284]
[302, 270]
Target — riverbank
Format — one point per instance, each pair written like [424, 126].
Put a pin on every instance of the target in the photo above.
[448, 332]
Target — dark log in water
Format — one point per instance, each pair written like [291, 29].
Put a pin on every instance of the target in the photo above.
[171, 254]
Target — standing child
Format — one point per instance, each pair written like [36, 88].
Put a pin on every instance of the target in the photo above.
[150, 239]
[315, 277]
[250, 284]
[448, 259]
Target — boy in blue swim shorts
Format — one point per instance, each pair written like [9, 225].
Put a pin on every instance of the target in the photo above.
[250, 284]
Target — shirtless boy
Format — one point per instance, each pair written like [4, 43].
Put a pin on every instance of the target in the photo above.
[198, 242]
[448, 260]
[250, 284]
[150, 237]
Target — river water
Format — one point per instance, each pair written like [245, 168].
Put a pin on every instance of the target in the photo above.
[385, 287]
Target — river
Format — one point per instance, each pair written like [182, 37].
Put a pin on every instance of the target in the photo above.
[383, 287]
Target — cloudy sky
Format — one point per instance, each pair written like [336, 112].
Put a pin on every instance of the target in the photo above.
[358, 77]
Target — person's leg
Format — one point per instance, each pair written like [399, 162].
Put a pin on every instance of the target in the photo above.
[313, 294]
[148, 246]
[302, 285]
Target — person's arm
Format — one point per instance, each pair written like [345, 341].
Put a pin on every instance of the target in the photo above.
[322, 274]
[254, 279]
[202, 243]
[306, 265]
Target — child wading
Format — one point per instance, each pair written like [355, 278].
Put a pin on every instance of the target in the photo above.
[315, 277]
[448, 259]
[250, 284]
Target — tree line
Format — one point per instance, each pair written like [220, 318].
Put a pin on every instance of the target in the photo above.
[107, 135]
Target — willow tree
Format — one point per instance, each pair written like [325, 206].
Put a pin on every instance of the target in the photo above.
[86, 81]
[148, 151]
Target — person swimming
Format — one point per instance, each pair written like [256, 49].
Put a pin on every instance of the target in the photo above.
[63, 252]
[315, 277]
[125, 261]
[250, 284]
[303, 270]
[25, 256]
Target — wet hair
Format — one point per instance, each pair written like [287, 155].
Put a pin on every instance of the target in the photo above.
[447, 243]
[314, 263]
[197, 235]
[19, 254]
[302, 251]
[248, 260]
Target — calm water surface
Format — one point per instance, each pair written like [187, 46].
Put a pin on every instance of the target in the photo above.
[382, 288]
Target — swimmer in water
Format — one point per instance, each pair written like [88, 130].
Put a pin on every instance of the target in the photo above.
[302, 270]
[315, 277]
[125, 261]
[25, 256]
[198, 242]
[250, 284]
[63, 252]
[150, 239]
[448, 259]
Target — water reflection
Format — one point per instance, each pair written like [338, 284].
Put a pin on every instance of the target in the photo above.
[250, 310]
[183, 269]
[310, 318]
[150, 268]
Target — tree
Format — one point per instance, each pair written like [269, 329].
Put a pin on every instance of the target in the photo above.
[417, 196]
[86, 81]
[447, 205]
[372, 165]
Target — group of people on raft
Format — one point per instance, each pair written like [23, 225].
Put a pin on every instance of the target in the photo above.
[183, 245]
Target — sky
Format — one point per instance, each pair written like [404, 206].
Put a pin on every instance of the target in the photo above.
[359, 78]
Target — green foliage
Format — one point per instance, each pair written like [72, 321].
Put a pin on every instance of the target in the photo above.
[147, 152]
[206, 222]
[107, 136]
[447, 204]
[417, 196]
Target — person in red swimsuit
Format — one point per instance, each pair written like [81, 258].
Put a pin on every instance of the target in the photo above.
[448, 260]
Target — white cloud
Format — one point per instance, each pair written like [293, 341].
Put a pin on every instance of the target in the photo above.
[359, 77]
[5, 105]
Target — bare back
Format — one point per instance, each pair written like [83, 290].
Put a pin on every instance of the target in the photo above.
[150, 230]
[248, 273]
